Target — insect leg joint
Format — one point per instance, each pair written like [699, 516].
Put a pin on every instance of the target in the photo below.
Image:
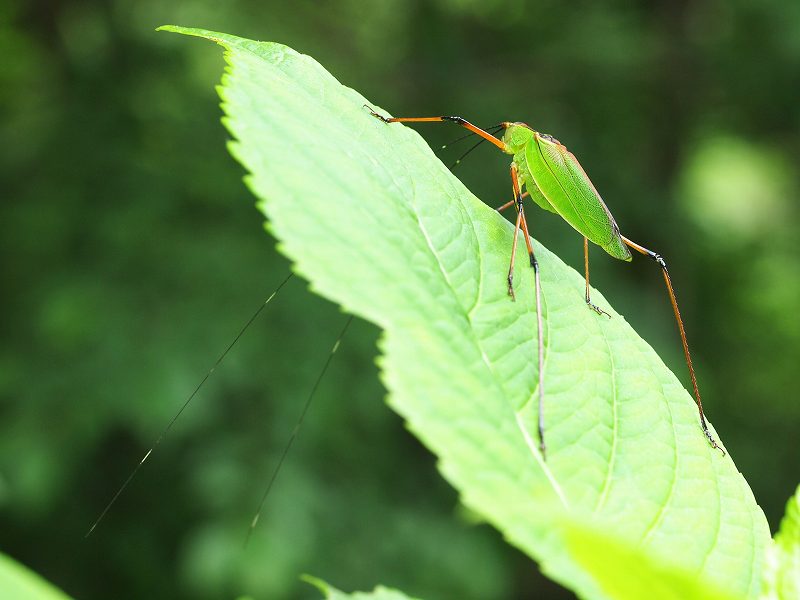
[661, 262]
[457, 120]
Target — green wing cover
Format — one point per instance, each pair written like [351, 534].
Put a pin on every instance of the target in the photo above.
[561, 179]
[538, 197]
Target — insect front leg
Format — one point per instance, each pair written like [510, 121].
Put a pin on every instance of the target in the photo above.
[589, 303]
[460, 121]
[510, 278]
[523, 223]
[520, 219]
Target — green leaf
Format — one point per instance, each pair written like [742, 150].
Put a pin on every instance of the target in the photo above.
[625, 573]
[379, 593]
[377, 224]
[20, 583]
[782, 575]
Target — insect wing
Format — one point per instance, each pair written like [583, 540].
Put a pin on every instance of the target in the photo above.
[564, 183]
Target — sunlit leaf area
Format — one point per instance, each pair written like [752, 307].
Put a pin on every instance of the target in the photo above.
[133, 249]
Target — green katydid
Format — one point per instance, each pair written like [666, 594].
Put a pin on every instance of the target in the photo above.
[555, 180]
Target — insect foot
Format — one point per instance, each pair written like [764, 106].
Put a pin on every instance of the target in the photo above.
[597, 309]
[375, 114]
[712, 441]
[511, 288]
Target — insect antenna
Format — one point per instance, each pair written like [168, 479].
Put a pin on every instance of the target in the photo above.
[183, 407]
[463, 156]
[458, 139]
[493, 129]
[295, 430]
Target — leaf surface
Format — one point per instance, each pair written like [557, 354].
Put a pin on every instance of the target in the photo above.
[375, 222]
[20, 583]
[624, 573]
[782, 575]
[379, 593]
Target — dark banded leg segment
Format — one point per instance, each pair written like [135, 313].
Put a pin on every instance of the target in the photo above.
[589, 303]
[517, 227]
[522, 221]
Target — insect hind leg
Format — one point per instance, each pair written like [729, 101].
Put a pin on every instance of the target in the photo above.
[659, 260]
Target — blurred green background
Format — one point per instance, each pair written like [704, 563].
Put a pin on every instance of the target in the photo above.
[131, 254]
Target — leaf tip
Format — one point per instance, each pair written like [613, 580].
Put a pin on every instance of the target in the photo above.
[318, 583]
[193, 31]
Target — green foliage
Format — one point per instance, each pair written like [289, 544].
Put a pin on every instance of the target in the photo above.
[377, 224]
[782, 575]
[20, 583]
[379, 593]
[623, 572]
[734, 191]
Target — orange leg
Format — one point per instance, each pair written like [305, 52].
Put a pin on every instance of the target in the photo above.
[658, 259]
[457, 120]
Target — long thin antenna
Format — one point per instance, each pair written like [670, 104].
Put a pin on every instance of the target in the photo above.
[296, 429]
[492, 130]
[463, 156]
[185, 404]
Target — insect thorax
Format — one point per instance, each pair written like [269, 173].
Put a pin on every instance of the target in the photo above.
[516, 137]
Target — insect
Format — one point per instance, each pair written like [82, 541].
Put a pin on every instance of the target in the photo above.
[554, 179]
